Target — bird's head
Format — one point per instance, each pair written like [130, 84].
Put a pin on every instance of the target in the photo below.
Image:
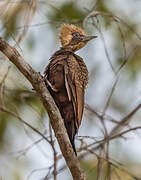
[73, 37]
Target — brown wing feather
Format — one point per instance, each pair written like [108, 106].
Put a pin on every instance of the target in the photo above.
[75, 91]
[80, 104]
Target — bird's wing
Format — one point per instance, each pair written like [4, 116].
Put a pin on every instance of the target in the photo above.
[54, 61]
[53, 73]
[74, 90]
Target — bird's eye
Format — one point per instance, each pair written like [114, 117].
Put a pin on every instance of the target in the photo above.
[76, 34]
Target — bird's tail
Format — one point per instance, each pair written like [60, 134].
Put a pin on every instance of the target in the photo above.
[71, 130]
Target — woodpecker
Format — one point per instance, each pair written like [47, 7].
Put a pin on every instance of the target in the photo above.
[66, 77]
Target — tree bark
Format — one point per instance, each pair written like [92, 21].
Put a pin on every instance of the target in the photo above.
[56, 120]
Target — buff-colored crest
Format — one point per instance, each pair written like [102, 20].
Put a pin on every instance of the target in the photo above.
[66, 31]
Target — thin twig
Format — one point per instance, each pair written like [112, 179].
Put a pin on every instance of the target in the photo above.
[99, 166]
[105, 47]
[125, 120]
[54, 155]
[2, 87]
[24, 122]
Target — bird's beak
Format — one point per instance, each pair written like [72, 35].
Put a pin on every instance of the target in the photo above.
[88, 38]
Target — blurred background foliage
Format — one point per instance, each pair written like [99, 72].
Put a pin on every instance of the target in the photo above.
[32, 27]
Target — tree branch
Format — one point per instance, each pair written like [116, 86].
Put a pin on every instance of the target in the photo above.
[55, 118]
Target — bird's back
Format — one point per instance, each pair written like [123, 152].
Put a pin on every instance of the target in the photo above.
[67, 78]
